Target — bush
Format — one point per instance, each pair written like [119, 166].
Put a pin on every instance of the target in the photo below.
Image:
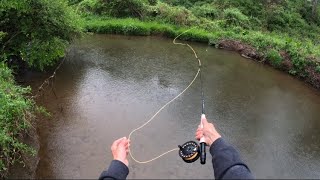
[72, 2]
[122, 8]
[37, 30]
[253, 8]
[187, 3]
[16, 112]
[174, 15]
[280, 19]
[274, 57]
[88, 6]
[206, 11]
[153, 2]
[234, 17]
[318, 69]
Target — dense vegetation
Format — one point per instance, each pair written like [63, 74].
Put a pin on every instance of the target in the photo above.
[16, 113]
[33, 33]
[282, 33]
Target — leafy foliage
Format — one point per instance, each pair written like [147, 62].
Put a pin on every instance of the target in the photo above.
[174, 15]
[153, 2]
[121, 8]
[234, 17]
[206, 11]
[37, 31]
[274, 57]
[16, 112]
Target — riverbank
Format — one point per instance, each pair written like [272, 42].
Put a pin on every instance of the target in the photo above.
[279, 51]
[17, 113]
[33, 35]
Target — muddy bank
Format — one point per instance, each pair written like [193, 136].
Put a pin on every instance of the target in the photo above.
[310, 76]
[33, 78]
[28, 169]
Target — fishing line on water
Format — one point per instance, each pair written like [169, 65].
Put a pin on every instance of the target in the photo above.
[198, 74]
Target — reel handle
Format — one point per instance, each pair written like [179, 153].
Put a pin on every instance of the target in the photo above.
[202, 144]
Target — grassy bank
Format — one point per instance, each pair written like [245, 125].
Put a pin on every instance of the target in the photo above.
[281, 51]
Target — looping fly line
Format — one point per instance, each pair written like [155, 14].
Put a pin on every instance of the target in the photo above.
[164, 106]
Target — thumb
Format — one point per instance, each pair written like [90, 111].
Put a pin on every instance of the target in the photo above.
[204, 121]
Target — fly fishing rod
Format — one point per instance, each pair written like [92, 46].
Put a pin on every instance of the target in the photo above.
[191, 151]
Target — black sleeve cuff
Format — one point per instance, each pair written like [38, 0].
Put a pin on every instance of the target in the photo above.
[224, 156]
[116, 170]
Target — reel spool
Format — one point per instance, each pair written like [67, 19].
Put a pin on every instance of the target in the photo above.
[189, 151]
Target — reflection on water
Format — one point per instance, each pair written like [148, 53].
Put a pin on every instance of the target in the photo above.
[110, 85]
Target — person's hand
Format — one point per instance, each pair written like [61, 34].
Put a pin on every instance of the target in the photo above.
[208, 131]
[120, 149]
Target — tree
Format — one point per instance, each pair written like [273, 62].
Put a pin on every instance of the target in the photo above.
[36, 31]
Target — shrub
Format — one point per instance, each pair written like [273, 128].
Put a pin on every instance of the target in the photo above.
[174, 15]
[234, 17]
[318, 69]
[153, 2]
[278, 18]
[88, 6]
[122, 8]
[72, 2]
[206, 11]
[16, 112]
[274, 57]
[37, 30]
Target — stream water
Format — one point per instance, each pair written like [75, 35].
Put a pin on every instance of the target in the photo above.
[110, 85]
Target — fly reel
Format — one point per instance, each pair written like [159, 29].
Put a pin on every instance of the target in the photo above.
[189, 151]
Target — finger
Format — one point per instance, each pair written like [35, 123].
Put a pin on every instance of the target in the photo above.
[199, 133]
[199, 130]
[198, 137]
[123, 144]
[116, 143]
[127, 145]
[204, 121]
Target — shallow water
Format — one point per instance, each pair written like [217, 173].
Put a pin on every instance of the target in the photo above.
[110, 85]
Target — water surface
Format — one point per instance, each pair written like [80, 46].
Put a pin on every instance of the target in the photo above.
[110, 85]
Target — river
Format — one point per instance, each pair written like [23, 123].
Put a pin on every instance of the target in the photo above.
[110, 85]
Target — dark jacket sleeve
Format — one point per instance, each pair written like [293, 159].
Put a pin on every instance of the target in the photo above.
[116, 170]
[227, 163]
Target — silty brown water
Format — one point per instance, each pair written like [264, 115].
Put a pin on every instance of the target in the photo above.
[110, 85]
